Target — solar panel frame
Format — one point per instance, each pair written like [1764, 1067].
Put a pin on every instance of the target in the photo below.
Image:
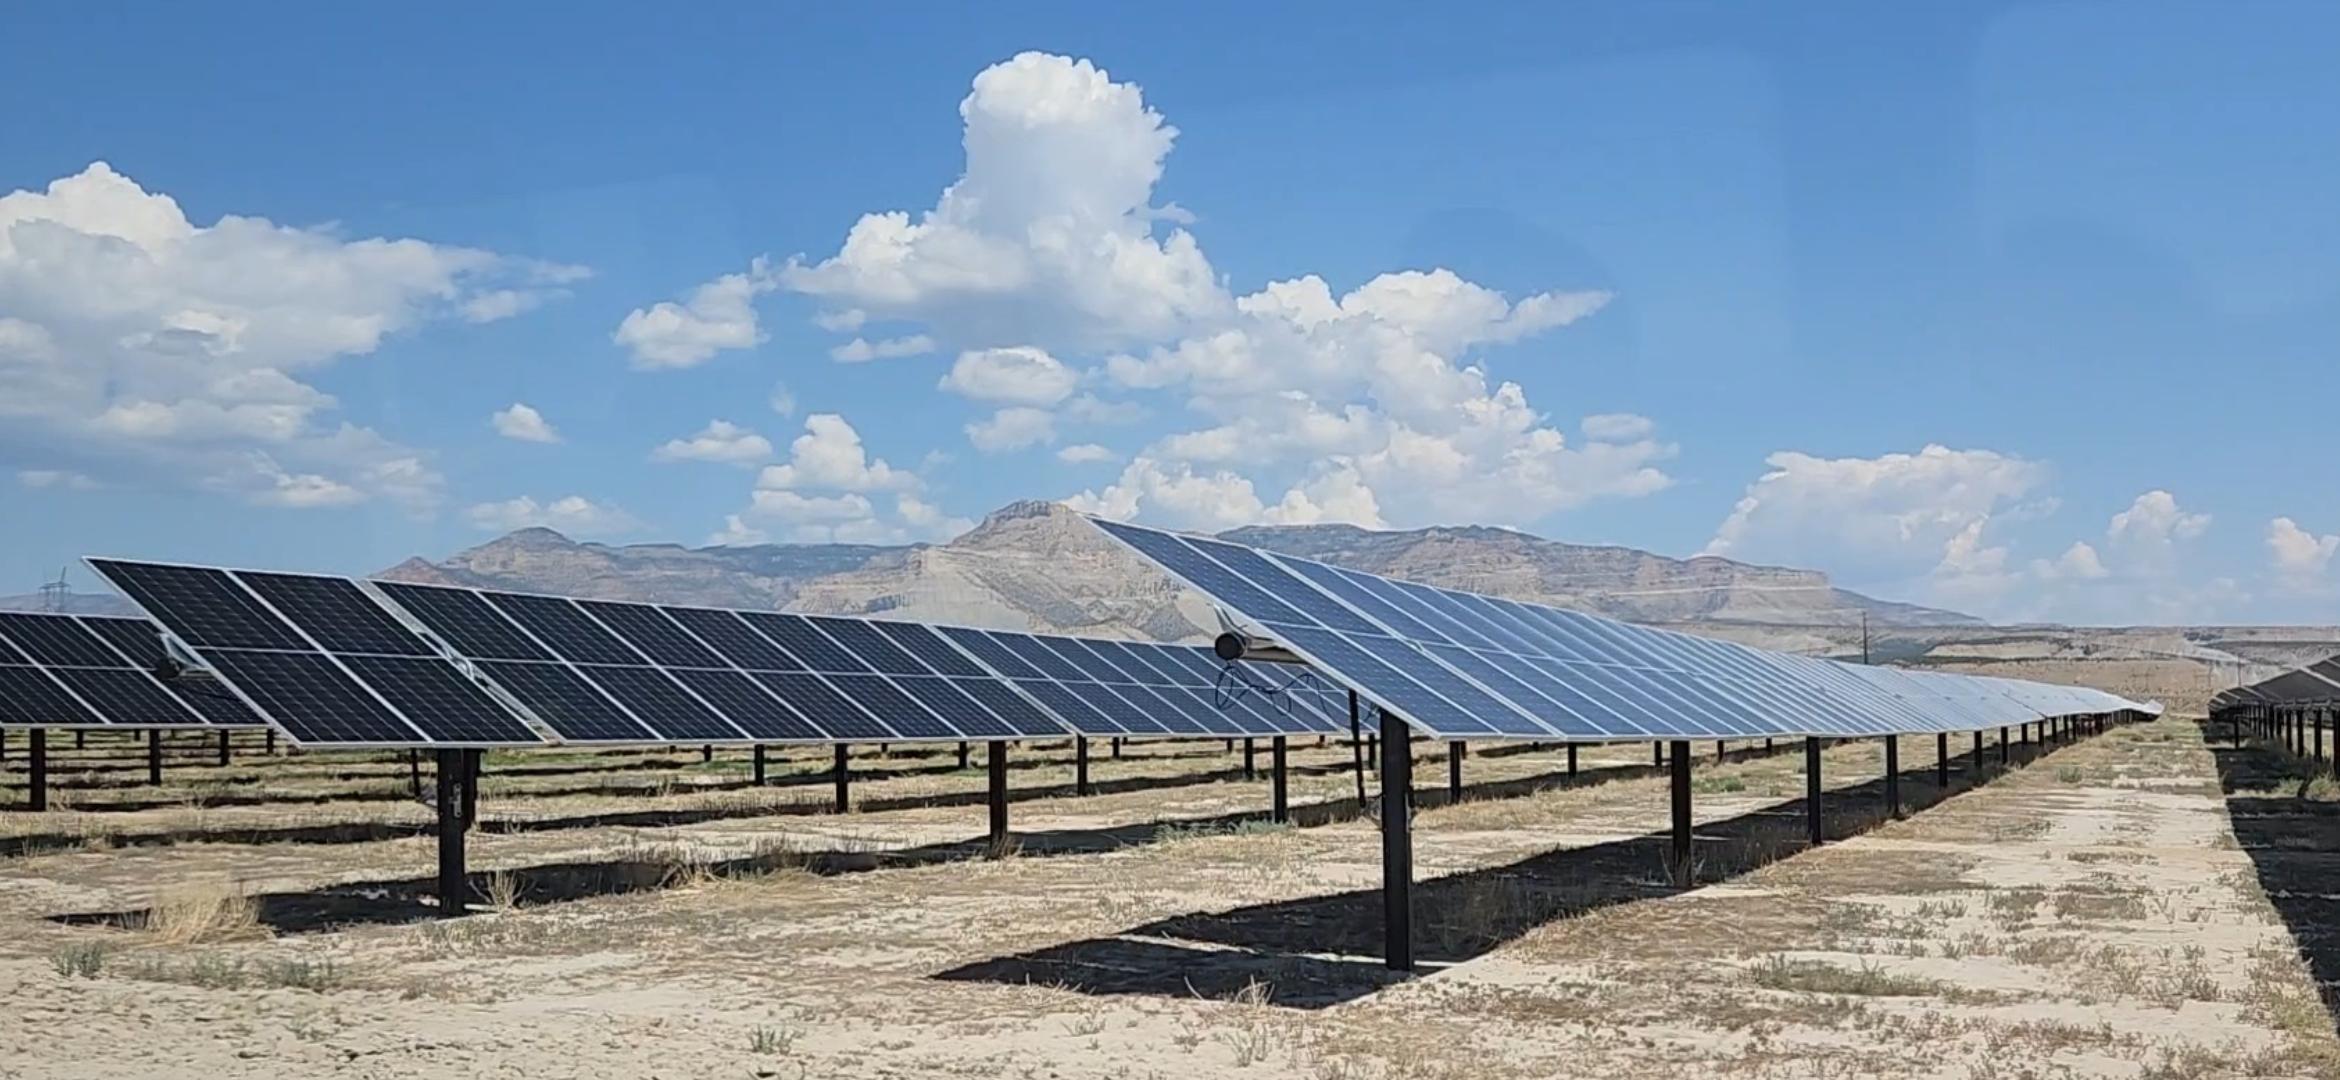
[1472, 662]
[208, 608]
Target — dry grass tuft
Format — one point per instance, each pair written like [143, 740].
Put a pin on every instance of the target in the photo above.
[203, 911]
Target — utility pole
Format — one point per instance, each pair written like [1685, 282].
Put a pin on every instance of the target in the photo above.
[1864, 637]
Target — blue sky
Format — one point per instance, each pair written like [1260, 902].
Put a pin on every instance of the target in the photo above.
[2026, 309]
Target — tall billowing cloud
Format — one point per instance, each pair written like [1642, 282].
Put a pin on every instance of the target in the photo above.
[149, 348]
[1068, 293]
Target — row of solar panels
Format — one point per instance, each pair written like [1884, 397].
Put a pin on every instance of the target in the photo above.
[333, 661]
[94, 671]
[1464, 666]
[2314, 684]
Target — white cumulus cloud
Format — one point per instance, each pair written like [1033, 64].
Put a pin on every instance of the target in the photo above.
[575, 515]
[718, 315]
[172, 352]
[522, 422]
[2300, 555]
[829, 456]
[720, 441]
[863, 350]
[1085, 454]
[1012, 428]
[1894, 516]
[1015, 375]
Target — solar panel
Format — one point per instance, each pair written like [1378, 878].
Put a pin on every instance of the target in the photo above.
[30, 698]
[55, 641]
[1459, 665]
[136, 639]
[316, 656]
[334, 614]
[869, 646]
[565, 702]
[652, 634]
[65, 671]
[564, 628]
[465, 621]
[812, 649]
[739, 643]
[203, 606]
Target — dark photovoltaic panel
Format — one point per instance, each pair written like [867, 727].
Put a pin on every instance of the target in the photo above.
[823, 705]
[652, 634]
[136, 639]
[205, 607]
[1460, 665]
[316, 656]
[749, 706]
[56, 641]
[465, 622]
[568, 704]
[864, 642]
[929, 647]
[372, 665]
[811, 648]
[564, 628]
[658, 701]
[311, 698]
[335, 615]
[66, 671]
[30, 698]
[739, 643]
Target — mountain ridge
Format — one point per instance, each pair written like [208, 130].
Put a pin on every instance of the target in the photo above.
[1035, 565]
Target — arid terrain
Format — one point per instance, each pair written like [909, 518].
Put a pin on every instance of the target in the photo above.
[2138, 904]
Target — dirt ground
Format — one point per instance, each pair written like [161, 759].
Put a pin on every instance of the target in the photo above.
[2132, 905]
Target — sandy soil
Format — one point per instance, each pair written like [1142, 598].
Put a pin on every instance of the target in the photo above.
[2088, 913]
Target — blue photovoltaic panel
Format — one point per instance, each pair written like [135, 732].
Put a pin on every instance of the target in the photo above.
[739, 643]
[465, 621]
[569, 705]
[929, 647]
[811, 648]
[30, 698]
[319, 657]
[311, 698]
[1017, 713]
[1083, 716]
[661, 704]
[761, 715]
[823, 705]
[991, 652]
[884, 701]
[136, 639]
[1207, 574]
[56, 641]
[203, 606]
[869, 646]
[438, 700]
[1462, 665]
[126, 697]
[651, 633]
[966, 714]
[564, 628]
[1036, 652]
[335, 614]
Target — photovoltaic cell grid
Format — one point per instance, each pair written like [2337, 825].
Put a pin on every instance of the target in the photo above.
[318, 658]
[1464, 666]
[390, 663]
[87, 671]
[612, 671]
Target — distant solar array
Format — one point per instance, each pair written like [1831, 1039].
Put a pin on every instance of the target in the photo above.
[2312, 684]
[333, 661]
[1459, 665]
[93, 671]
